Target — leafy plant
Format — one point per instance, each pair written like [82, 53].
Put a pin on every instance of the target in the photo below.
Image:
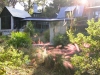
[38, 55]
[47, 36]
[61, 39]
[20, 39]
[29, 28]
[87, 62]
[11, 57]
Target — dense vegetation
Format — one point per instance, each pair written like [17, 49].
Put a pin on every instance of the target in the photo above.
[20, 39]
[61, 39]
[87, 62]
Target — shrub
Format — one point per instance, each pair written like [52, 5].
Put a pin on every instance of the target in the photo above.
[38, 55]
[61, 39]
[11, 57]
[88, 60]
[49, 62]
[19, 39]
[29, 29]
[47, 36]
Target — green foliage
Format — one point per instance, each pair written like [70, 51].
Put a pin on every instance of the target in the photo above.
[49, 62]
[47, 36]
[94, 29]
[87, 62]
[56, 63]
[59, 67]
[38, 54]
[11, 57]
[29, 28]
[61, 39]
[54, 7]
[19, 39]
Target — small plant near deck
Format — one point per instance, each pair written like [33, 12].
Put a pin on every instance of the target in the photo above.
[87, 62]
[61, 39]
[29, 29]
[20, 39]
[47, 35]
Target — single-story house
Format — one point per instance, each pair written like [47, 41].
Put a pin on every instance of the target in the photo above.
[82, 13]
[12, 19]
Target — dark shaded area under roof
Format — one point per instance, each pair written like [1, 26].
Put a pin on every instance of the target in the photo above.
[18, 13]
[44, 19]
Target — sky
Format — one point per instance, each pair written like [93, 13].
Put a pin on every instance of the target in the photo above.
[20, 7]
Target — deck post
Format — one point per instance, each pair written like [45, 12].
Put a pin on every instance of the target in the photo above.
[12, 23]
[0, 24]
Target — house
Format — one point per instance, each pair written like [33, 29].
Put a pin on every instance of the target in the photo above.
[67, 14]
[13, 19]
[81, 13]
[10, 19]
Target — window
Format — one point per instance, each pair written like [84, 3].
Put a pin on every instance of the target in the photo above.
[5, 22]
[41, 26]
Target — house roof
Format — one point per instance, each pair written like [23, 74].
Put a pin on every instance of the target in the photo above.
[45, 19]
[61, 13]
[78, 11]
[18, 13]
[70, 8]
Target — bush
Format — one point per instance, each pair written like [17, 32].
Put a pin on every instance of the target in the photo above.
[29, 29]
[61, 39]
[19, 39]
[59, 64]
[38, 55]
[47, 36]
[11, 57]
[49, 62]
[88, 60]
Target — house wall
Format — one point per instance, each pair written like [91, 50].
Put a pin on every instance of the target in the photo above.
[57, 27]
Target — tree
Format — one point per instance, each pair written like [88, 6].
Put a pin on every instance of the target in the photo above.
[55, 6]
[4, 3]
[87, 61]
[28, 4]
[29, 29]
[12, 2]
